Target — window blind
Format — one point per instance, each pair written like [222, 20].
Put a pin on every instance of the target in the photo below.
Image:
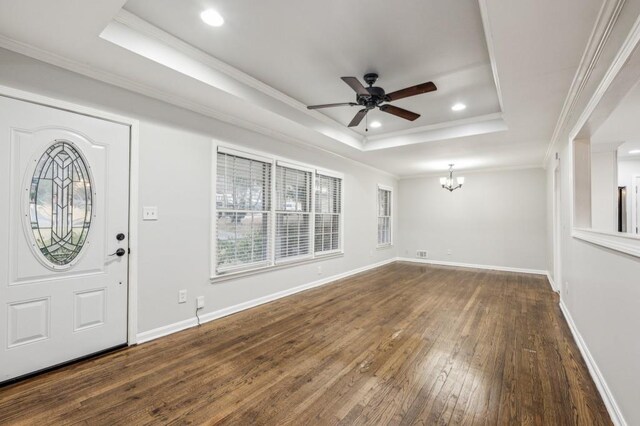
[384, 217]
[243, 212]
[328, 211]
[293, 213]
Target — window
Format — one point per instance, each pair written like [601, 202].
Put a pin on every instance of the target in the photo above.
[243, 212]
[60, 204]
[293, 213]
[270, 212]
[384, 216]
[328, 213]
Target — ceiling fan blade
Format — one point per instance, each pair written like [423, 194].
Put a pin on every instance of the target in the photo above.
[332, 105]
[412, 91]
[407, 115]
[355, 84]
[358, 118]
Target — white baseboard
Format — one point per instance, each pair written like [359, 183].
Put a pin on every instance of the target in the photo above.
[473, 265]
[192, 322]
[165, 330]
[147, 336]
[552, 282]
[601, 384]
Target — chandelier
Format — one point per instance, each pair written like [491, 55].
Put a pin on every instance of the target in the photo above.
[449, 183]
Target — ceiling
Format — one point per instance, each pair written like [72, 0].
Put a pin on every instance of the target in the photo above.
[622, 125]
[511, 63]
[629, 151]
[305, 58]
[621, 129]
[614, 124]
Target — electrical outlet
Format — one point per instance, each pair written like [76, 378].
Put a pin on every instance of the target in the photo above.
[566, 288]
[319, 270]
[200, 302]
[182, 296]
[150, 213]
[449, 251]
[422, 254]
[371, 253]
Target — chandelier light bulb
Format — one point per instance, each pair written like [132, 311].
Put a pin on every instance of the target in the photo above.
[448, 182]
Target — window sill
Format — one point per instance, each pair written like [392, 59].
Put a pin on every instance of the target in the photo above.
[624, 243]
[264, 269]
[384, 246]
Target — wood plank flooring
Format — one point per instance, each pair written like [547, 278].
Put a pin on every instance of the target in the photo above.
[401, 344]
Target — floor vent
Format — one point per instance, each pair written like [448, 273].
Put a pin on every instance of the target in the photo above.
[422, 254]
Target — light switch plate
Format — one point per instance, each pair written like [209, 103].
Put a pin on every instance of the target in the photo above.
[150, 213]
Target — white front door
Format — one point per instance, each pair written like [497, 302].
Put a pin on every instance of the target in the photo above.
[64, 191]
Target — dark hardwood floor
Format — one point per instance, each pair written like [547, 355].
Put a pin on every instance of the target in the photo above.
[401, 344]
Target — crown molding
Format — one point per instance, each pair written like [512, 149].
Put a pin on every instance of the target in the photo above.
[168, 98]
[488, 34]
[605, 22]
[142, 38]
[473, 126]
[432, 127]
[235, 79]
[138, 24]
[473, 171]
[621, 58]
[134, 86]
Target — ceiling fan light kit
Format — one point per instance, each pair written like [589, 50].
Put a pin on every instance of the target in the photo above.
[449, 183]
[375, 97]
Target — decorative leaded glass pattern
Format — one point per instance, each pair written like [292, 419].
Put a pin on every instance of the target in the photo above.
[60, 203]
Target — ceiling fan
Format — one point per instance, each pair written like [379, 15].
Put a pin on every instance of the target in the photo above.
[374, 97]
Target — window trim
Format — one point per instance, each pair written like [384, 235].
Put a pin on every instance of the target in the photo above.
[272, 263]
[390, 189]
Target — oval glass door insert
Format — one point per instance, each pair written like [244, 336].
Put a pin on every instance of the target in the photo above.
[60, 201]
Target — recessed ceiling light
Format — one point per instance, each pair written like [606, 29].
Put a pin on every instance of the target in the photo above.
[458, 107]
[375, 124]
[212, 17]
[634, 151]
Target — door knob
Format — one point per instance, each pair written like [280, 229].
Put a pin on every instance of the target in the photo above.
[120, 252]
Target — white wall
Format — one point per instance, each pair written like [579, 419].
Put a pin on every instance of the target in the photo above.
[601, 290]
[627, 169]
[175, 175]
[601, 287]
[604, 191]
[497, 218]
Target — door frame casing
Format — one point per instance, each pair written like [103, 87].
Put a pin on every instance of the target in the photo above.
[134, 147]
[635, 203]
[557, 227]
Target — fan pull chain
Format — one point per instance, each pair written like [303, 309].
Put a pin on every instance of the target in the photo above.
[366, 123]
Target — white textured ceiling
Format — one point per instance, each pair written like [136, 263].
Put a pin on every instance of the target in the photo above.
[621, 128]
[302, 49]
[535, 54]
[622, 125]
